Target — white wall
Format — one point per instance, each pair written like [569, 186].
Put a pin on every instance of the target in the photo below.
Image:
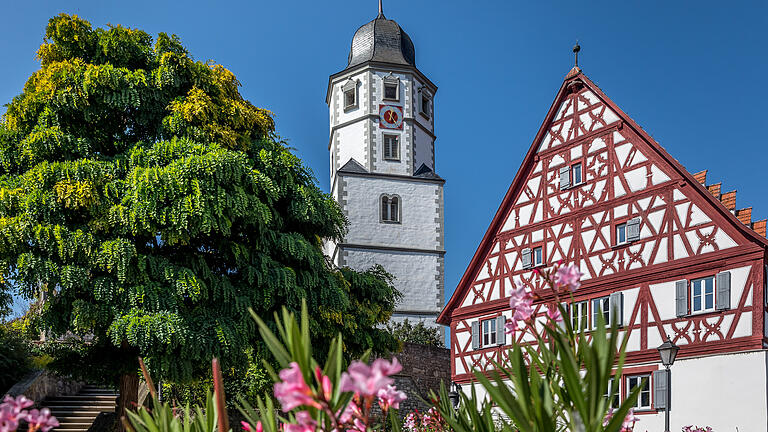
[418, 212]
[415, 276]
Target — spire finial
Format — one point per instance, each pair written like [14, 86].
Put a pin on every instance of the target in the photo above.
[381, 9]
[576, 49]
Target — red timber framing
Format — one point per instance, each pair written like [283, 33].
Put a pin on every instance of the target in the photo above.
[687, 231]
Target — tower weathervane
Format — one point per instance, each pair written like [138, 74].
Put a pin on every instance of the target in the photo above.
[576, 49]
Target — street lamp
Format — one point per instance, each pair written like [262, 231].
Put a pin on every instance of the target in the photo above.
[668, 352]
[454, 396]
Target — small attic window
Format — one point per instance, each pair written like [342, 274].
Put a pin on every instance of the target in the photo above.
[391, 87]
[349, 89]
[425, 100]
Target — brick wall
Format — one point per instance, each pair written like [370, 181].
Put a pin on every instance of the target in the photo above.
[424, 367]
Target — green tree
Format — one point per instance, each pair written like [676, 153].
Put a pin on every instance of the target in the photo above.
[418, 334]
[151, 206]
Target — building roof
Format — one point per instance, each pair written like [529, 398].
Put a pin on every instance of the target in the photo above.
[381, 40]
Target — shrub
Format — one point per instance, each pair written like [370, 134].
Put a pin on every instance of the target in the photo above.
[15, 358]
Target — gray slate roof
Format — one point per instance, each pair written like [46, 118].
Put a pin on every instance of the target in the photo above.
[382, 40]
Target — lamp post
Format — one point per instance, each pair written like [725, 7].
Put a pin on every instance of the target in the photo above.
[454, 396]
[668, 351]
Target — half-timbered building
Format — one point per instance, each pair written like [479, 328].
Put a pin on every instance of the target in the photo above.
[663, 254]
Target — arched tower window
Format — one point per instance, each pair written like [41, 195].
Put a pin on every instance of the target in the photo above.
[390, 208]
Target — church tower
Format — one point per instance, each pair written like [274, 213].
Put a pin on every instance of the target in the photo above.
[382, 149]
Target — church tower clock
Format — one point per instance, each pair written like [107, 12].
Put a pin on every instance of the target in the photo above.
[382, 149]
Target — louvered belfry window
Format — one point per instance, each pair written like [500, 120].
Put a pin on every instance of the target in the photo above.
[391, 147]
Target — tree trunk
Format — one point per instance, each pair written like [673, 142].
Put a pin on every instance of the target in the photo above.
[129, 396]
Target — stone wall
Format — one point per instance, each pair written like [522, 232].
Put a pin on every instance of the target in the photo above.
[424, 367]
[38, 385]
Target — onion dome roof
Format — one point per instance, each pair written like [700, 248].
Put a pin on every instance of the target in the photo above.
[382, 40]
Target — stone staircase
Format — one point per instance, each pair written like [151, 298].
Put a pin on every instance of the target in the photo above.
[76, 413]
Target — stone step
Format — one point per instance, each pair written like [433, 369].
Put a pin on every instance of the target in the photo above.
[80, 396]
[79, 401]
[79, 411]
[74, 419]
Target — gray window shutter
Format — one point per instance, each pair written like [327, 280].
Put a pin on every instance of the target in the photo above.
[723, 287]
[501, 337]
[525, 255]
[633, 229]
[616, 302]
[681, 297]
[660, 390]
[565, 177]
[476, 335]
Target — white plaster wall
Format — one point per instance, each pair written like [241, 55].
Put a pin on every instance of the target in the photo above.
[350, 143]
[416, 276]
[417, 229]
[422, 149]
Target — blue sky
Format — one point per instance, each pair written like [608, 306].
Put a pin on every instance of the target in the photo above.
[690, 73]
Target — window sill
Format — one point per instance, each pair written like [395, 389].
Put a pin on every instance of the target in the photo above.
[390, 222]
[426, 116]
[350, 108]
[391, 160]
[390, 100]
[646, 411]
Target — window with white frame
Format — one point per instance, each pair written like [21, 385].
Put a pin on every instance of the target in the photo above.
[613, 400]
[621, 233]
[489, 332]
[392, 147]
[426, 104]
[703, 294]
[644, 398]
[538, 256]
[390, 209]
[576, 175]
[579, 316]
[601, 306]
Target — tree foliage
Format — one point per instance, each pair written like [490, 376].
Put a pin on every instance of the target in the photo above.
[420, 334]
[151, 205]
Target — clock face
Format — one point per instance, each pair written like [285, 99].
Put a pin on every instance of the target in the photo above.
[390, 116]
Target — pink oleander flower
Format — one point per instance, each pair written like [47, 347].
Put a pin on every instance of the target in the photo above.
[569, 276]
[304, 423]
[553, 312]
[628, 424]
[246, 426]
[293, 391]
[510, 327]
[521, 302]
[325, 383]
[350, 411]
[390, 397]
[9, 422]
[368, 380]
[42, 420]
[17, 405]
